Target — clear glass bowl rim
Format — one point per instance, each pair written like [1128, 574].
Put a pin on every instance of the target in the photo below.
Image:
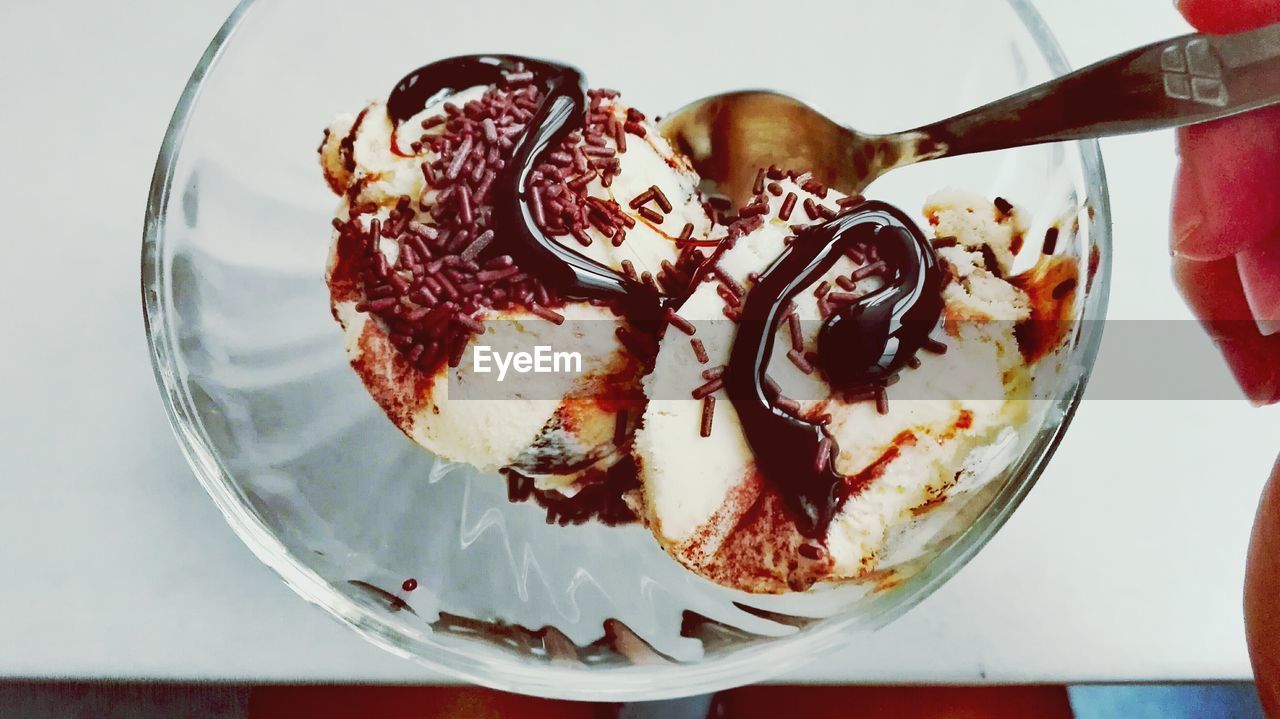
[744, 666]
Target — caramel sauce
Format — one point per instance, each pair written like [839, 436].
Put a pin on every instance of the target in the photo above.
[1051, 285]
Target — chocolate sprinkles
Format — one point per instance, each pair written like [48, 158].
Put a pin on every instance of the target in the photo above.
[797, 336]
[1050, 241]
[933, 346]
[708, 388]
[641, 199]
[663, 203]
[621, 423]
[823, 456]
[430, 300]
[679, 322]
[1064, 288]
[546, 313]
[788, 204]
[798, 359]
[699, 350]
[882, 400]
[708, 415]
[651, 215]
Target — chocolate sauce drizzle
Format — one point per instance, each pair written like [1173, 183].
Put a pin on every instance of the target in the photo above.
[861, 345]
[563, 109]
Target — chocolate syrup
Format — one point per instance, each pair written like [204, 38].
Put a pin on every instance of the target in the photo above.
[863, 344]
[563, 109]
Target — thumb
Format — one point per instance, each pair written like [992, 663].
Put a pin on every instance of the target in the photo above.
[1222, 16]
[1262, 596]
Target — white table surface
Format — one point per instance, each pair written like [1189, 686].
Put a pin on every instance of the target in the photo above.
[1125, 563]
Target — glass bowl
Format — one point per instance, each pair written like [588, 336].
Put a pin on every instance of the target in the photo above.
[328, 493]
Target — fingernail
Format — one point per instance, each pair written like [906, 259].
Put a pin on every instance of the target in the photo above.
[1259, 268]
[1188, 213]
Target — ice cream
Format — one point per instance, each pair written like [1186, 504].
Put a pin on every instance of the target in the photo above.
[904, 446]
[522, 211]
[417, 276]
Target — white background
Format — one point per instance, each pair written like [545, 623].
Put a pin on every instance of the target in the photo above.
[1124, 564]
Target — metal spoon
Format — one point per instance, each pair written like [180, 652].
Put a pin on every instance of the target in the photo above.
[1182, 81]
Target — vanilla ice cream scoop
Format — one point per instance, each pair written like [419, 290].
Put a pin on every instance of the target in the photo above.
[421, 272]
[898, 449]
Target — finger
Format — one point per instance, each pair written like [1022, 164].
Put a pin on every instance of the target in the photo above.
[1215, 293]
[1216, 16]
[1262, 595]
[1227, 194]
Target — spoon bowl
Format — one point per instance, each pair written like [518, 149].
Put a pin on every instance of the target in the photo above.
[729, 137]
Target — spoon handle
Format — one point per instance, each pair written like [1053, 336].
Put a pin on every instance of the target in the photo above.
[1183, 81]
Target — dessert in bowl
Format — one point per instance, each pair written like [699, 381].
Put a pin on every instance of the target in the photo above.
[670, 565]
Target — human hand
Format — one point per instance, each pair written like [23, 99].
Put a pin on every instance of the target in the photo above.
[1226, 231]
[1226, 219]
